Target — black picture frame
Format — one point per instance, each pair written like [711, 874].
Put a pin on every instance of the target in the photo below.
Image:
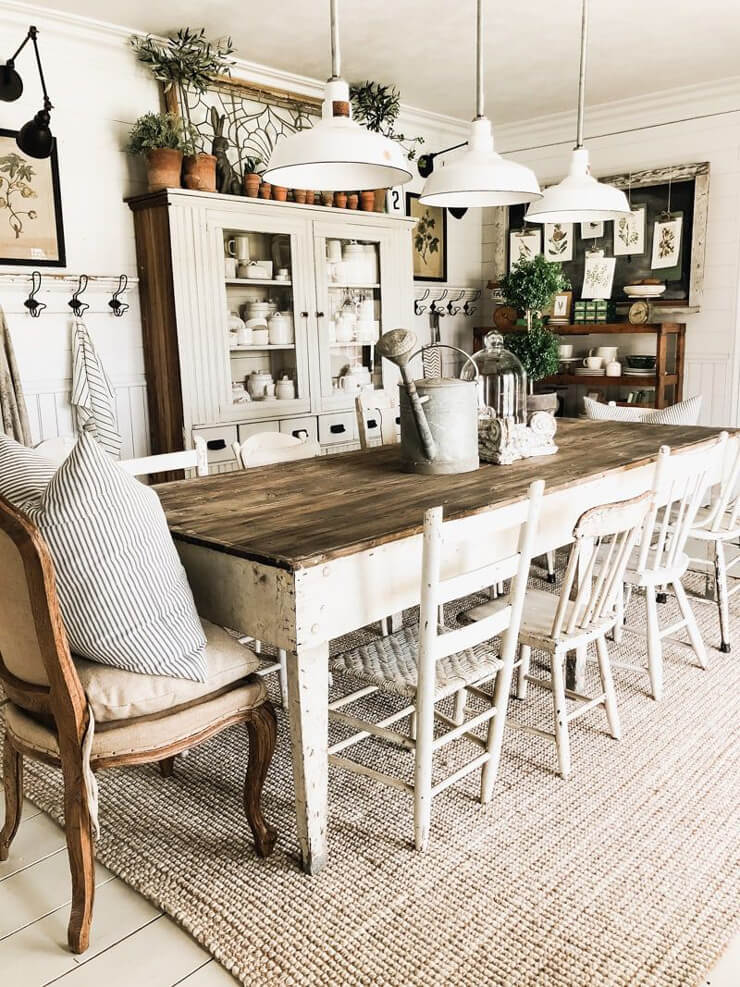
[412, 197]
[53, 163]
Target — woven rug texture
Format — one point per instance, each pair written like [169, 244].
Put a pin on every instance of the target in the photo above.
[626, 874]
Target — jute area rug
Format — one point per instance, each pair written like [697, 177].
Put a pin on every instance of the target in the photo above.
[624, 875]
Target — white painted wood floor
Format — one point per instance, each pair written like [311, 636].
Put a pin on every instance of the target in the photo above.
[132, 942]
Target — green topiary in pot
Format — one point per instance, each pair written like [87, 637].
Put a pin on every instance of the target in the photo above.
[529, 287]
[160, 137]
[537, 351]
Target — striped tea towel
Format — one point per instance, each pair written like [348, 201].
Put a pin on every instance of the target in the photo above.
[13, 413]
[93, 399]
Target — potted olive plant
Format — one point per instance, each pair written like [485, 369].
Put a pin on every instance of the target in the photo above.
[529, 288]
[160, 138]
[188, 62]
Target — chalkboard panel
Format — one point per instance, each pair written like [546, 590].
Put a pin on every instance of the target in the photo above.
[632, 268]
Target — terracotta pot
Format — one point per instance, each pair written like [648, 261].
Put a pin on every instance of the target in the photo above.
[299, 195]
[353, 200]
[163, 167]
[199, 172]
[265, 190]
[367, 200]
[327, 198]
[340, 200]
[379, 200]
[310, 197]
[252, 184]
[279, 193]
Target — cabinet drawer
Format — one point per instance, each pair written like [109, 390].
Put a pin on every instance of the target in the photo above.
[218, 440]
[300, 428]
[373, 426]
[254, 428]
[337, 428]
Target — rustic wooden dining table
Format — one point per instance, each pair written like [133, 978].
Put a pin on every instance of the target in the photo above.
[298, 554]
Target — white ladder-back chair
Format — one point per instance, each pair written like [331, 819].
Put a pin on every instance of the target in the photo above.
[58, 448]
[377, 418]
[269, 449]
[682, 480]
[574, 619]
[717, 528]
[425, 665]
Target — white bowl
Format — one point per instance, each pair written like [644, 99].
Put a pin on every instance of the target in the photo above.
[644, 290]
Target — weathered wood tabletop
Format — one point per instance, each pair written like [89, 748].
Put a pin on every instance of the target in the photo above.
[308, 512]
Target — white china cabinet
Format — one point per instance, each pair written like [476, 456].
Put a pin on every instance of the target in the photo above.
[260, 315]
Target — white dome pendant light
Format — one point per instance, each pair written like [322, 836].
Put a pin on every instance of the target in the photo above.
[337, 153]
[479, 176]
[579, 198]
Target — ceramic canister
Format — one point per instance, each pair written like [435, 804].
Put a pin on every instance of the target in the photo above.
[280, 326]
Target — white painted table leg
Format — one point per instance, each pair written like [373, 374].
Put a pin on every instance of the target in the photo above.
[308, 699]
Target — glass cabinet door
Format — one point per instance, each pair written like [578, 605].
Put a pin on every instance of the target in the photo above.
[352, 264]
[265, 318]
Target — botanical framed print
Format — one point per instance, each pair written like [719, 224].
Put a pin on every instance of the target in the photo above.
[559, 241]
[592, 231]
[629, 233]
[523, 245]
[598, 275]
[562, 303]
[428, 239]
[667, 242]
[31, 229]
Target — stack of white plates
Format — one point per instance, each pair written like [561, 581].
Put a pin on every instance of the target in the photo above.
[588, 372]
[634, 372]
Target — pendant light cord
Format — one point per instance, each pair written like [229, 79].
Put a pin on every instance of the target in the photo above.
[582, 75]
[336, 58]
[479, 97]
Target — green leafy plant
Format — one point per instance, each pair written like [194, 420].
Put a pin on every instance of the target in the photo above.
[377, 108]
[250, 165]
[187, 61]
[426, 241]
[532, 283]
[157, 130]
[537, 350]
[16, 175]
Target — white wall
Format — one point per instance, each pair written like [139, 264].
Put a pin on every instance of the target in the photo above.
[695, 124]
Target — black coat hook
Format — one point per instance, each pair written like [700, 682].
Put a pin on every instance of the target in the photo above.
[420, 308]
[115, 302]
[79, 308]
[34, 306]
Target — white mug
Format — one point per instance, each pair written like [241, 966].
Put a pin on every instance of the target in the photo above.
[238, 247]
[593, 362]
[565, 351]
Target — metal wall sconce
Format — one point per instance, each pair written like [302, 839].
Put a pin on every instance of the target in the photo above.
[425, 166]
[35, 138]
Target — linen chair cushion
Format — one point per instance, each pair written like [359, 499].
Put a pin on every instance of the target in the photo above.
[143, 735]
[684, 413]
[115, 694]
[123, 593]
[24, 473]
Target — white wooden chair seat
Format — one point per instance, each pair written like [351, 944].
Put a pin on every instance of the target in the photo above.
[390, 663]
[727, 528]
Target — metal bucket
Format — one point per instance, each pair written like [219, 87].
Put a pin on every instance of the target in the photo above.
[451, 410]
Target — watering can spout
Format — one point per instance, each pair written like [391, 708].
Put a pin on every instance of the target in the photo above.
[398, 345]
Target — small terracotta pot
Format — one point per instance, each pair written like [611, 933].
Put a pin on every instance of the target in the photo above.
[163, 167]
[310, 197]
[353, 200]
[265, 190]
[299, 195]
[340, 200]
[379, 200]
[367, 200]
[279, 193]
[327, 198]
[199, 172]
[252, 184]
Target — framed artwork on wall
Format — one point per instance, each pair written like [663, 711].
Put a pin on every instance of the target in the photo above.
[629, 234]
[559, 241]
[428, 239]
[524, 245]
[31, 228]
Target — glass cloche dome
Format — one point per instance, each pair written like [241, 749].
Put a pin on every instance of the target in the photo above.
[503, 381]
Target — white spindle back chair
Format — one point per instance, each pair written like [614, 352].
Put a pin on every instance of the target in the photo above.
[429, 664]
[682, 480]
[583, 613]
[377, 418]
[186, 459]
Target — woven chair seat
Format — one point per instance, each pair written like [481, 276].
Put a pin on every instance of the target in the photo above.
[390, 663]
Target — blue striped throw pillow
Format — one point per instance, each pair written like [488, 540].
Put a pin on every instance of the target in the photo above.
[123, 592]
[24, 474]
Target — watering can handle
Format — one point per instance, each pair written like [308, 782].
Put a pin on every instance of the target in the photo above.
[446, 346]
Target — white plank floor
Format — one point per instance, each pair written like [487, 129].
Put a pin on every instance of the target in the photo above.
[131, 943]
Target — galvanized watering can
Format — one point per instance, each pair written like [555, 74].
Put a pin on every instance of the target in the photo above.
[439, 415]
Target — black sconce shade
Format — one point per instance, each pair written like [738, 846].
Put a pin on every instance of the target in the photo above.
[11, 84]
[35, 138]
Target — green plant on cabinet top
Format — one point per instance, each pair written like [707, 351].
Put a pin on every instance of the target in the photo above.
[377, 108]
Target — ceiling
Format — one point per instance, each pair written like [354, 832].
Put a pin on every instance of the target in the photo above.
[426, 48]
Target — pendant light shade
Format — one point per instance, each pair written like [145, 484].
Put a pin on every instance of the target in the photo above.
[337, 153]
[579, 198]
[479, 176]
